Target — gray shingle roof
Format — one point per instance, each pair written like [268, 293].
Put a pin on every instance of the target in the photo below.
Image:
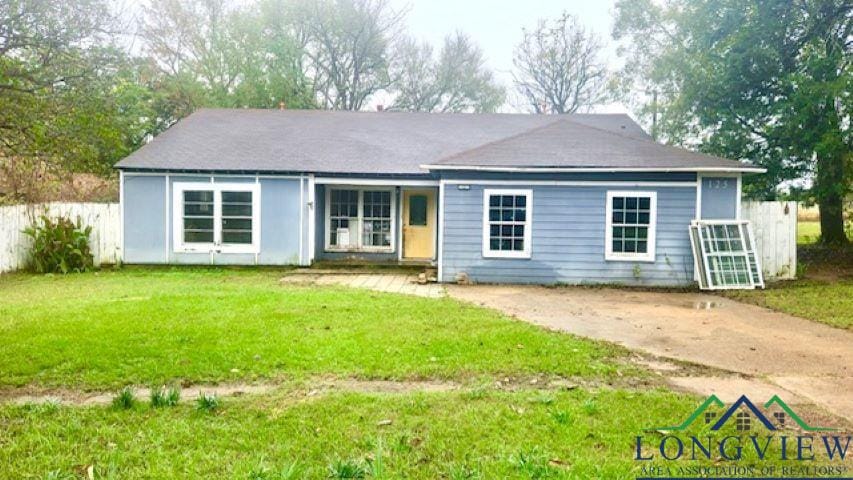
[398, 143]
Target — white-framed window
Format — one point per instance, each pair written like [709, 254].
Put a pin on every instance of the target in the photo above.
[631, 219]
[360, 219]
[222, 217]
[507, 223]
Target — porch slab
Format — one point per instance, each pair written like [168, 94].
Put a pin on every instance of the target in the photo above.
[403, 283]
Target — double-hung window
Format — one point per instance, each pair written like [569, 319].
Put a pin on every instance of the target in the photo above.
[360, 219]
[221, 217]
[507, 223]
[630, 226]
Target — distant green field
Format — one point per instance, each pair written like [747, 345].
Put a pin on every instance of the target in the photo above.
[808, 232]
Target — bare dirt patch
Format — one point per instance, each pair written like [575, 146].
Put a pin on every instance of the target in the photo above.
[35, 395]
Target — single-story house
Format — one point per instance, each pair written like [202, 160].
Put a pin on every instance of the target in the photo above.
[579, 198]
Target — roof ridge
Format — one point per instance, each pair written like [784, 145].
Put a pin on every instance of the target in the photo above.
[501, 140]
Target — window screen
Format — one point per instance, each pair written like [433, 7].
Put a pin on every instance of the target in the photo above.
[198, 216]
[507, 222]
[343, 214]
[236, 217]
[724, 255]
[377, 218]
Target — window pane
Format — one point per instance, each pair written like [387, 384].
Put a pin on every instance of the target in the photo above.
[645, 203]
[198, 209]
[198, 216]
[631, 203]
[235, 210]
[236, 223]
[239, 237]
[417, 210]
[507, 215]
[198, 224]
[198, 196]
[236, 197]
[198, 236]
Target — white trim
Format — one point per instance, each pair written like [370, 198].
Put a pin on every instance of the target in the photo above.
[179, 246]
[440, 227]
[609, 254]
[400, 224]
[698, 215]
[528, 224]
[592, 169]
[203, 174]
[167, 212]
[301, 219]
[121, 214]
[260, 204]
[571, 183]
[312, 219]
[738, 199]
[359, 224]
[390, 182]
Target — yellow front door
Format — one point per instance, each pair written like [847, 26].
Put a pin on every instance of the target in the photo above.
[419, 224]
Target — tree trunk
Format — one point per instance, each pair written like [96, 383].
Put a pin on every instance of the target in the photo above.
[830, 198]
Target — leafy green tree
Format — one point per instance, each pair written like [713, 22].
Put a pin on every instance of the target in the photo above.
[763, 81]
[458, 81]
[63, 92]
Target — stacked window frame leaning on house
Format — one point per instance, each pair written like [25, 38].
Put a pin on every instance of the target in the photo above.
[724, 255]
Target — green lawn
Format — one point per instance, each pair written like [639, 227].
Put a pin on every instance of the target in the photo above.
[829, 302]
[808, 232]
[152, 326]
[146, 326]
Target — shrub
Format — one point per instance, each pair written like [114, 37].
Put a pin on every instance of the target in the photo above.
[60, 246]
[125, 399]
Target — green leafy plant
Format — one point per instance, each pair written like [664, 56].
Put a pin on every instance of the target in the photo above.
[60, 246]
[125, 399]
[165, 398]
[207, 402]
[346, 469]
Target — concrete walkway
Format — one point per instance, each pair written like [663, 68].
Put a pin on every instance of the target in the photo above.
[390, 282]
[796, 358]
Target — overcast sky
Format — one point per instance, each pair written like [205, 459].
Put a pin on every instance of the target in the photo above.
[496, 25]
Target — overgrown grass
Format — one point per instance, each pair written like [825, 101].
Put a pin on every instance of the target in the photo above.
[441, 435]
[808, 232]
[158, 326]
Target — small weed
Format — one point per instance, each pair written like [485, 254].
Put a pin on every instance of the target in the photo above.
[637, 271]
[533, 463]
[376, 464]
[261, 472]
[465, 472]
[207, 402]
[562, 417]
[346, 469]
[590, 407]
[165, 398]
[125, 399]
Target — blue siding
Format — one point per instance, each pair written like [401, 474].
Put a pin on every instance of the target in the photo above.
[719, 198]
[149, 232]
[568, 238]
[145, 219]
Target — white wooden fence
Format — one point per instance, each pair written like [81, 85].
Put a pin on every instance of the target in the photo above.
[104, 218]
[775, 228]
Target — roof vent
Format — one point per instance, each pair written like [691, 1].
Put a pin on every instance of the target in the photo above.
[380, 108]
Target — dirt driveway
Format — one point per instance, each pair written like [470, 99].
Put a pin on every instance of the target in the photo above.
[796, 358]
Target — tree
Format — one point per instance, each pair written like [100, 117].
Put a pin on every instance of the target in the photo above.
[212, 53]
[347, 43]
[558, 68]
[63, 93]
[457, 82]
[765, 81]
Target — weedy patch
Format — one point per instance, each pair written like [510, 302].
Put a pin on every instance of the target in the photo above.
[347, 469]
[290, 471]
[562, 417]
[125, 400]
[165, 398]
[207, 402]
